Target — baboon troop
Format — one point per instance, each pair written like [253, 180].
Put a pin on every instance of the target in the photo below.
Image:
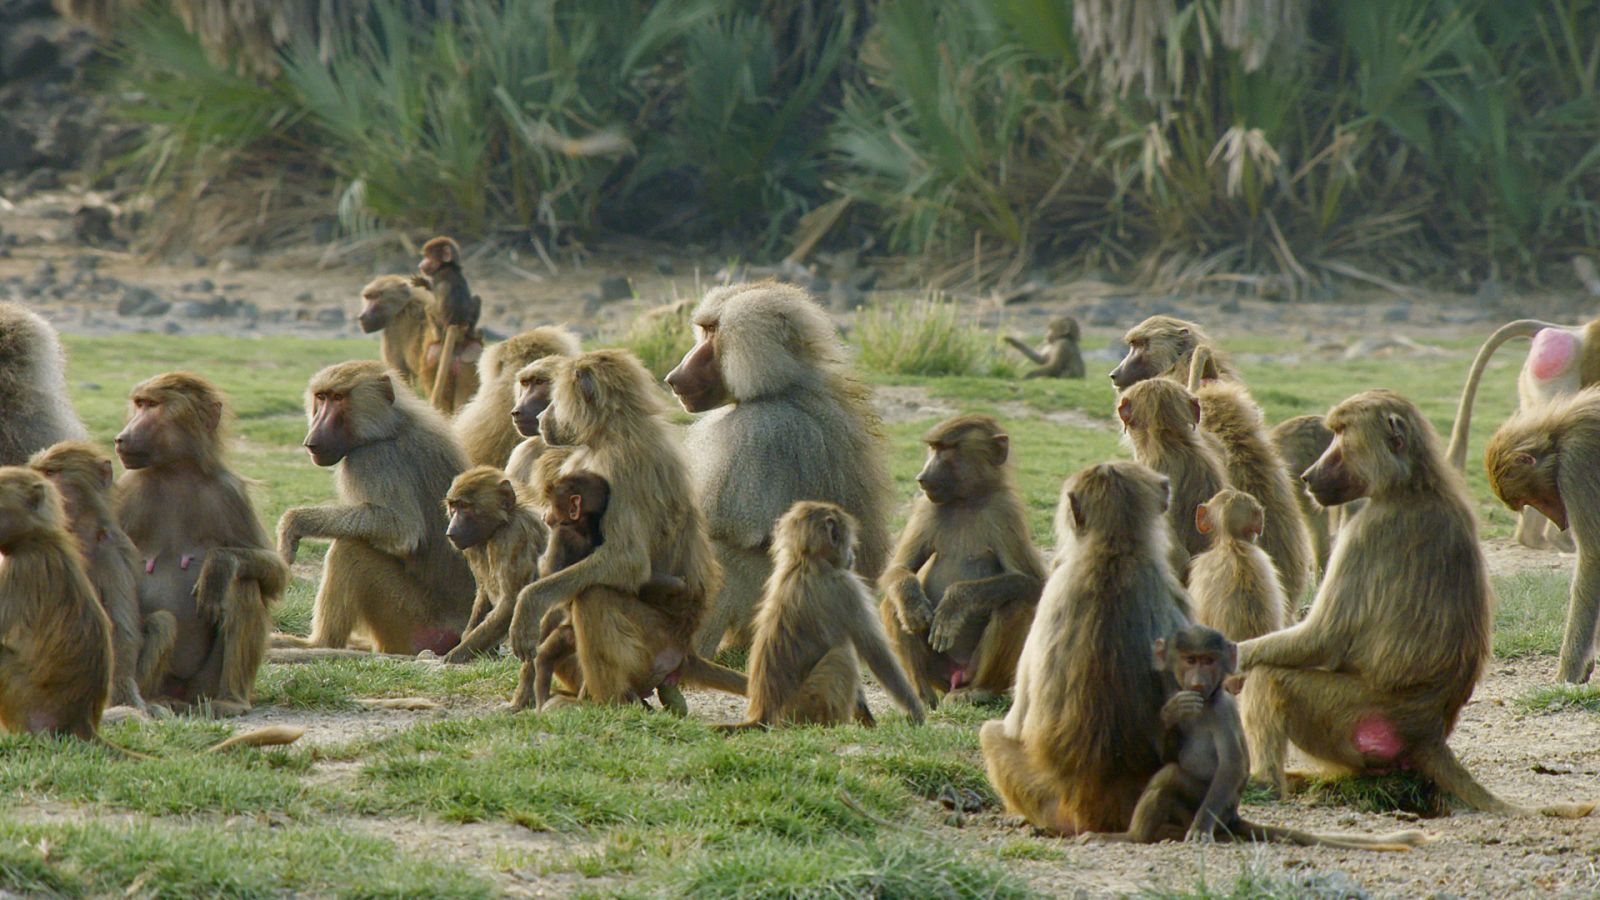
[36, 412]
[1060, 356]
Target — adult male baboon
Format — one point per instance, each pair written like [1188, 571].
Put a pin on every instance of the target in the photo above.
[814, 620]
[1544, 458]
[36, 411]
[1060, 357]
[82, 474]
[605, 407]
[1378, 671]
[1301, 441]
[1161, 347]
[1082, 737]
[499, 528]
[1563, 360]
[206, 558]
[457, 310]
[784, 422]
[398, 306]
[532, 396]
[55, 659]
[960, 591]
[484, 427]
[1162, 422]
[390, 571]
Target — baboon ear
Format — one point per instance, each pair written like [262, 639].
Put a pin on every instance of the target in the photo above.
[1397, 432]
[1125, 413]
[38, 493]
[1159, 654]
[211, 414]
[386, 388]
[587, 385]
[1526, 459]
[1202, 519]
[1194, 409]
[1258, 522]
[508, 495]
[104, 471]
[574, 507]
[1232, 656]
[1076, 508]
[832, 524]
[1002, 448]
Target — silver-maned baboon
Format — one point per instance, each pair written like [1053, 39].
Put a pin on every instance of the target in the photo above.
[1162, 347]
[36, 411]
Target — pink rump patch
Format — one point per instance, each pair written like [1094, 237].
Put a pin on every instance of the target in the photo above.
[439, 640]
[1375, 736]
[958, 677]
[1553, 350]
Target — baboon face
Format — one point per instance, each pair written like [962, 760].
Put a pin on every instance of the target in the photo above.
[334, 431]
[533, 395]
[1200, 659]
[578, 500]
[697, 380]
[1526, 476]
[380, 300]
[477, 509]
[437, 254]
[1064, 328]
[963, 463]
[1154, 346]
[1331, 480]
[28, 504]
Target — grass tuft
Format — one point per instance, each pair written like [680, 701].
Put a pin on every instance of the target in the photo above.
[1562, 697]
[1395, 792]
[888, 868]
[921, 337]
[1532, 608]
[660, 336]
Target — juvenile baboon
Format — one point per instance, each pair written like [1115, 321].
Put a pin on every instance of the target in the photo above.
[398, 307]
[390, 571]
[457, 310]
[784, 422]
[532, 396]
[499, 528]
[1563, 360]
[1543, 458]
[1059, 357]
[1161, 347]
[1082, 737]
[55, 660]
[1301, 441]
[484, 427]
[1234, 586]
[960, 591]
[605, 407]
[815, 619]
[1163, 425]
[206, 557]
[1196, 793]
[1378, 671]
[82, 474]
[37, 411]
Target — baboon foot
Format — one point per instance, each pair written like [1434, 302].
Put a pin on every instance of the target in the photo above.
[967, 696]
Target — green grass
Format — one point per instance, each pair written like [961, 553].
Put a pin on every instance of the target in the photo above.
[1531, 614]
[1562, 697]
[922, 337]
[1399, 791]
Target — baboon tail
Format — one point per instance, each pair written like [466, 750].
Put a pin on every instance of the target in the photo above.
[274, 736]
[1457, 451]
[1394, 842]
[701, 673]
[1437, 762]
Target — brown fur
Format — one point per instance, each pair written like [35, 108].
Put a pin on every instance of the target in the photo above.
[1060, 356]
[456, 310]
[1544, 458]
[398, 307]
[205, 555]
[37, 410]
[1082, 737]
[815, 619]
[965, 577]
[531, 398]
[1162, 422]
[1162, 347]
[502, 546]
[784, 422]
[390, 571]
[1377, 673]
[1301, 441]
[483, 427]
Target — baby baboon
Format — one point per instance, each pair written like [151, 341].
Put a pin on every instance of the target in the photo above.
[499, 529]
[1161, 347]
[1082, 737]
[55, 663]
[784, 423]
[532, 396]
[1563, 360]
[1195, 795]
[206, 558]
[1060, 357]
[390, 571]
[37, 411]
[1301, 441]
[815, 619]
[1544, 458]
[605, 406]
[139, 648]
[484, 427]
[398, 307]
[960, 592]
[1234, 585]
[457, 310]
[1162, 422]
[1378, 671]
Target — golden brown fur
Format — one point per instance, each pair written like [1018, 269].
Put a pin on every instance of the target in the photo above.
[1301, 441]
[962, 586]
[398, 307]
[1060, 357]
[483, 427]
[1161, 347]
[530, 399]
[55, 640]
[502, 534]
[1162, 422]
[390, 571]
[815, 619]
[454, 315]
[36, 411]
[1083, 735]
[784, 421]
[205, 555]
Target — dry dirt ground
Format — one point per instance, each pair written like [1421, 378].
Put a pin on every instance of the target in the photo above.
[1529, 758]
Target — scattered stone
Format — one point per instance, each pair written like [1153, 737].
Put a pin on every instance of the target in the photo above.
[663, 265]
[236, 258]
[1397, 313]
[86, 262]
[141, 301]
[205, 309]
[304, 297]
[91, 225]
[844, 297]
[45, 273]
[330, 315]
[171, 327]
[615, 288]
[1229, 305]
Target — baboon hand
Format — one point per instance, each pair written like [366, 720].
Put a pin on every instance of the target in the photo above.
[211, 588]
[1184, 706]
[1200, 834]
[460, 655]
[948, 621]
[912, 607]
[524, 634]
[288, 537]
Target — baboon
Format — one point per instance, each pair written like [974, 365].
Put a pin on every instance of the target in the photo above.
[1161, 347]
[1543, 458]
[1234, 586]
[1563, 360]
[1079, 743]
[1195, 795]
[814, 620]
[1378, 671]
[390, 570]
[484, 427]
[961, 588]
[1059, 357]
[500, 530]
[1301, 441]
[82, 474]
[457, 310]
[605, 407]
[398, 307]
[1162, 422]
[55, 663]
[207, 562]
[37, 411]
[532, 396]
[784, 422]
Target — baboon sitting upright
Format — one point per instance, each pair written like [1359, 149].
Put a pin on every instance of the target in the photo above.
[484, 427]
[1162, 422]
[398, 307]
[36, 411]
[1060, 357]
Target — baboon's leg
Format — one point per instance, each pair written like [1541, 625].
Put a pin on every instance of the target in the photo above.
[916, 658]
[242, 633]
[1268, 741]
[744, 576]
[612, 651]
[334, 614]
[160, 635]
[994, 661]
[1027, 791]
[827, 696]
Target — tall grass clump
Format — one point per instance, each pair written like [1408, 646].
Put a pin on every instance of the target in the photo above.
[920, 337]
[660, 336]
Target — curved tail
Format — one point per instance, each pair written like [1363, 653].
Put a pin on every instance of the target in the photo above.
[1394, 842]
[1457, 453]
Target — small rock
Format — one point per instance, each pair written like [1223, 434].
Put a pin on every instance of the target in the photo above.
[86, 262]
[304, 297]
[1229, 305]
[171, 327]
[89, 386]
[615, 288]
[844, 297]
[205, 309]
[92, 225]
[1397, 313]
[235, 258]
[663, 265]
[325, 229]
[45, 273]
[141, 301]
[330, 315]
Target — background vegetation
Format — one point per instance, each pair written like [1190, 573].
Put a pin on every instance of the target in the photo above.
[1272, 144]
